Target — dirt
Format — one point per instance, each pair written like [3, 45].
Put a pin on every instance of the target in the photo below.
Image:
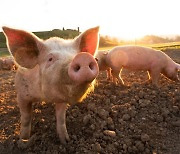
[137, 118]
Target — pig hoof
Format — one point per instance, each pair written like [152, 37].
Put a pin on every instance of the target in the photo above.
[109, 79]
[147, 82]
[25, 132]
[24, 136]
[64, 139]
[22, 144]
[124, 86]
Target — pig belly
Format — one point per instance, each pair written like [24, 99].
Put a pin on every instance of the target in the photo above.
[137, 64]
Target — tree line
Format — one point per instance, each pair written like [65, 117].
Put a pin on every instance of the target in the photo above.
[104, 40]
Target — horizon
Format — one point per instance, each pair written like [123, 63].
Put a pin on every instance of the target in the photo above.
[123, 19]
[171, 37]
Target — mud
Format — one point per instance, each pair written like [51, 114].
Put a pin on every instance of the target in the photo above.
[137, 118]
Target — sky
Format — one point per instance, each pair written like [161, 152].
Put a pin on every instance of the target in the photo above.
[128, 19]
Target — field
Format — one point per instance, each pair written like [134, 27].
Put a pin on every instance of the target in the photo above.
[105, 43]
[138, 118]
[159, 46]
[4, 52]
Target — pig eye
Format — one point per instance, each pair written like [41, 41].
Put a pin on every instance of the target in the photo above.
[96, 59]
[50, 59]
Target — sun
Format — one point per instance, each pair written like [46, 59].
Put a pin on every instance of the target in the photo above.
[124, 33]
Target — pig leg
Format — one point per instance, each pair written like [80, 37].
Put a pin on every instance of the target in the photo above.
[149, 76]
[117, 76]
[108, 73]
[122, 82]
[155, 75]
[26, 116]
[61, 122]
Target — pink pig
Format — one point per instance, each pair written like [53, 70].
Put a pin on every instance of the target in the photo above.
[101, 59]
[55, 70]
[8, 63]
[141, 58]
[1, 63]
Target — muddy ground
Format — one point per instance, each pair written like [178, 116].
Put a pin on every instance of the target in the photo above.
[139, 118]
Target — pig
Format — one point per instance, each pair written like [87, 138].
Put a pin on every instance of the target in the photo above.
[141, 58]
[8, 63]
[101, 60]
[1, 63]
[53, 70]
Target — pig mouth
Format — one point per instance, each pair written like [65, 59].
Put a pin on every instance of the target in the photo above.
[78, 93]
[72, 91]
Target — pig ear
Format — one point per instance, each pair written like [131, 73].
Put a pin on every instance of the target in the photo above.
[23, 46]
[89, 40]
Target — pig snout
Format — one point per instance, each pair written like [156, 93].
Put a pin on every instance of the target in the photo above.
[83, 68]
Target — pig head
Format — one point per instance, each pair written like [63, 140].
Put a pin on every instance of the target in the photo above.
[54, 70]
[103, 66]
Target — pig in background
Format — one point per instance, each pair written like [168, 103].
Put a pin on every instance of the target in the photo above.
[139, 58]
[1, 63]
[103, 66]
[54, 70]
[7, 64]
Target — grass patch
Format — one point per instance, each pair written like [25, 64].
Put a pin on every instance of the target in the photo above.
[159, 46]
[4, 52]
[106, 48]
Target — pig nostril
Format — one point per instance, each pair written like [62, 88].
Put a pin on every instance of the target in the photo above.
[76, 68]
[91, 65]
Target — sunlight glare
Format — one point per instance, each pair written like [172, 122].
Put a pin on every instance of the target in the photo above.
[120, 18]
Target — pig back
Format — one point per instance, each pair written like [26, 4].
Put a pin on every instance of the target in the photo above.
[134, 57]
